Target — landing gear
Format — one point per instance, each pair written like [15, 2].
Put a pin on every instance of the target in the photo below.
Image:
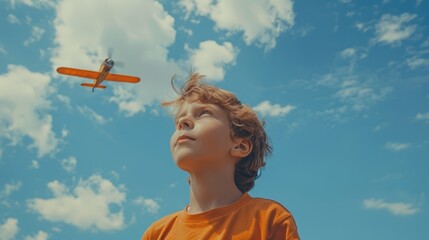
[93, 89]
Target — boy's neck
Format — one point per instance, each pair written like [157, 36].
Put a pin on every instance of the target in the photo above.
[212, 190]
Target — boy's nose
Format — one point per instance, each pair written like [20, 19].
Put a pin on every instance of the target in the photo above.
[185, 122]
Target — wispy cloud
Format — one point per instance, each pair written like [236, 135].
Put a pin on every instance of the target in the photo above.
[348, 52]
[265, 108]
[9, 188]
[148, 204]
[395, 208]
[92, 115]
[334, 115]
[69, 164]
[423, 116]
[97, 194]
[64, 132]
[64, 99]
[364, 27]
[9, 229]
[36, 35]
[12, 19]
[380, 126]
[34, 164]
[396, 146]
[393, 29]
[40, 235]
[417, 62]
[350, 90]
[2, 50]
[353, 53]
[36, 4]
[391, 176]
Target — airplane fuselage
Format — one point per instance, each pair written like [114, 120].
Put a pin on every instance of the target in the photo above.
[105, 68]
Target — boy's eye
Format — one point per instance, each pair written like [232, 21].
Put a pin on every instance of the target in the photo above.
[205, 112]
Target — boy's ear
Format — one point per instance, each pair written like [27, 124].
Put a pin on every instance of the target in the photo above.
[242, 147]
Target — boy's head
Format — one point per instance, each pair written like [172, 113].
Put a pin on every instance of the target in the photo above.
[214, 128]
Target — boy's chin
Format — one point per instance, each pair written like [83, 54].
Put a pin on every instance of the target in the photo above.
[190, 163]
[186, 163]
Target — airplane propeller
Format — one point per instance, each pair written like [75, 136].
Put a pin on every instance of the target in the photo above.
[119, 64]
[110, 52]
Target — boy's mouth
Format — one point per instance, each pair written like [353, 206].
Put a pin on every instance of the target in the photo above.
[183, 138]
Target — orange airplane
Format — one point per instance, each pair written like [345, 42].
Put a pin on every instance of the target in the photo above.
[102, 75]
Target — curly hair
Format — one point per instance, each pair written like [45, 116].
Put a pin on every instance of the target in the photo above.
[244, 123]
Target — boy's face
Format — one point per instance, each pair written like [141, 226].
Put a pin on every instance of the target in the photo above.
[202, 138]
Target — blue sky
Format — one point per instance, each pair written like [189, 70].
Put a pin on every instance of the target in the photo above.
[342, 85]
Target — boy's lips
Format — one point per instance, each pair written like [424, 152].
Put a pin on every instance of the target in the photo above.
[184, 137]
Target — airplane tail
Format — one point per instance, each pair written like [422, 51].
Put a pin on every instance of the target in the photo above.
[91, 85]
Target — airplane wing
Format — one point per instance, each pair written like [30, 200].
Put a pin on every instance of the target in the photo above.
[122, 78]
[78, 72]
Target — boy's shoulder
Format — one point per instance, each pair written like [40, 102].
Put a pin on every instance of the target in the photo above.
[270, 206]
[162, 224]
[166, 220]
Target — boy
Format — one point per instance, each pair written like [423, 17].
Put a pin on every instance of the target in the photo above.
[221, 144]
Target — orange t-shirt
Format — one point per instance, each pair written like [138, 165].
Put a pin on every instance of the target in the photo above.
[247, 218]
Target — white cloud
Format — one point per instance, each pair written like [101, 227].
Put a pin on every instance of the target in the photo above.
[334, 114]
[423, 116]
[64, 132]
[36, 35]
[395, 208]
[380, 126]
[9, 188]
[359, 94]
[23, 109]
[211, 58]
[350, 90]
[269, 18]
[34, 3]
[65, 100]
[69, 164]
[188, 31]
[2, 50]
[92, 115]
[140, 31]
[9, 229]
[395, 146]
[417, 62]
[393, 29]
[150, 205]
[34, 164]
[12, 19]
[41, 235]
[265, 108]
[87, 206]
[348, 53]
[364, 27]
[302, 31]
